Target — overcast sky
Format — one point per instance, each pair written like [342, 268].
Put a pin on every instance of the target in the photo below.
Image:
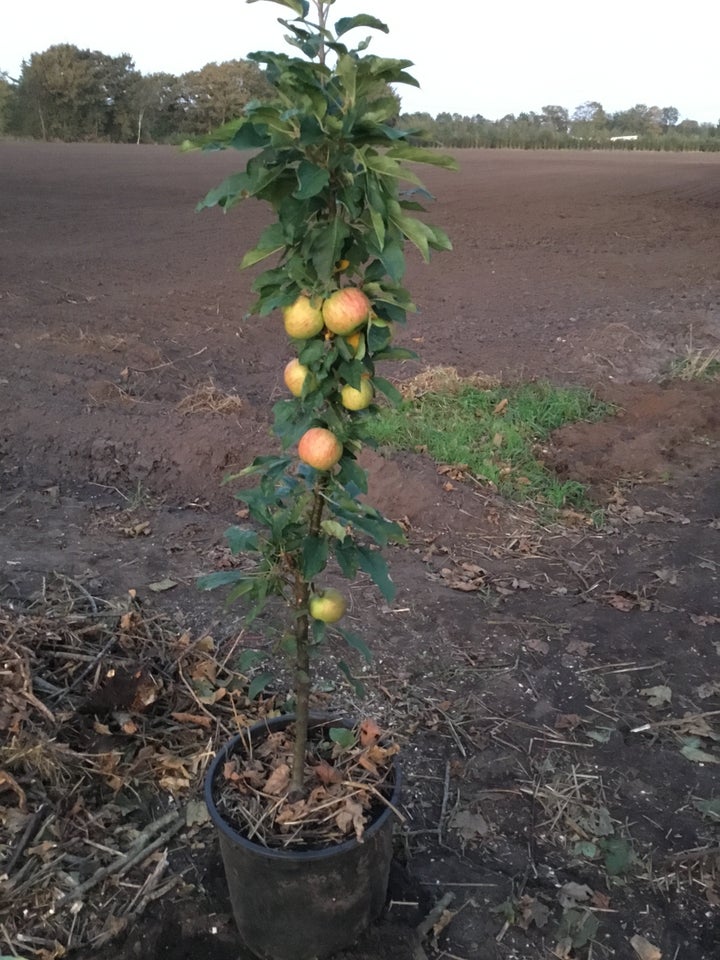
[490, 57]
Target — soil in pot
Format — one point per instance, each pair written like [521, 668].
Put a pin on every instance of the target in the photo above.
[323, 877]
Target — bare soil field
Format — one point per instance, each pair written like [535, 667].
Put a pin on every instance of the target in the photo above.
[554, 684]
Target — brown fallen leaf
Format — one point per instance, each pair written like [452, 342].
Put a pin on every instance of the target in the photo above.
[567, 721]
[538, 646]
[501, 407]
[579, 647]
[326, 773]
[644, 949]
[600, 900]
[369, 733]
[278, 781]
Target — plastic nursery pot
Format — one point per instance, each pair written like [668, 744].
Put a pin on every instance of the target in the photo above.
[302, 904]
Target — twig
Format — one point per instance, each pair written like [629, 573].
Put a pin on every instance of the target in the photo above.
[136, 854]
[443, 808]
[30, 830]
[87, 669]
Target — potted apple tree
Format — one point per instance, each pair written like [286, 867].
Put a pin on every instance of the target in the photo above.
[302, 804]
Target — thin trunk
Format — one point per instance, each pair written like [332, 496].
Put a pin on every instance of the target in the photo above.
[140, 122]
[42, 123]
[302, 653]
[322, 12]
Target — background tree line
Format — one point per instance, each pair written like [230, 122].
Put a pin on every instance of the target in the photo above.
[65, 93]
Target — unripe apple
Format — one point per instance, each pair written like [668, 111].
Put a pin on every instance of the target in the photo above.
[327, 605]
[353, 399]
[320, 448]
[353, 341]
[295, 375]
[346, 310]
[303, 319]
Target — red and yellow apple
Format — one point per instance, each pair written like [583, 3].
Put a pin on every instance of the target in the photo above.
[346, 310]
[320, 448]
[303, 319]
[327, 605]
[353, 399]
[295, 375]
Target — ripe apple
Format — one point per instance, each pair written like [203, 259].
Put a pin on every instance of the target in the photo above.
[327, 605]
[295, 375]
[303, 319]
[319, 448]
[346, 310]
[353, 399]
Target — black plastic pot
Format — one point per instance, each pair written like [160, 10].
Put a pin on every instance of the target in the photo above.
[302, 905]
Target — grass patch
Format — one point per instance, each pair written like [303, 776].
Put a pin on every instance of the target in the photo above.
[494, 434]
[696, 365]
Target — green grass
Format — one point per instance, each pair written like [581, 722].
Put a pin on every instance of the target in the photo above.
[467, 428]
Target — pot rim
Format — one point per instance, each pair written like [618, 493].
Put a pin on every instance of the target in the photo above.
[275, 853]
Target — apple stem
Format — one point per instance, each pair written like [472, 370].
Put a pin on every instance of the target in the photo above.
[302, 650]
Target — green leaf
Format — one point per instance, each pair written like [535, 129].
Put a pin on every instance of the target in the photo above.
[272, 240]
[334, 529]
[249, 659]
[374, 564]
[258, 684]
[357, 643]
[584, 848]
[346, 555]
[361, 20]
[395, 353]
[312, 180]
[403, 151]
[250, 137]
[618, 855]
[343, 737]
[693, 750]
[387, 167]
[325, 245]
[378, 226]
[241, 539]
[357, 686]
[391, 392]
[315, 555]
[350, 472]
[709, 808]
[223, 578]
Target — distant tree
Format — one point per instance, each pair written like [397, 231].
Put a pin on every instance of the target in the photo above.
[669, 116]
[154, 106]
[220, 91]
[8, 93]
[70, 94]
[556, 117]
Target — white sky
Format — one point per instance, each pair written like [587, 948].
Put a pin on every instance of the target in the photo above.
[492, 58]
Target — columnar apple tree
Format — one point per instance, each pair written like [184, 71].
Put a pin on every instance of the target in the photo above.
[331, 163]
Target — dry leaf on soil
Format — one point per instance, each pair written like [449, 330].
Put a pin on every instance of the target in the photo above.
[278, 781]
[644, 949]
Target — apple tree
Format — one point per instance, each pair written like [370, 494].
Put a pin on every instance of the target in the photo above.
[330, 162]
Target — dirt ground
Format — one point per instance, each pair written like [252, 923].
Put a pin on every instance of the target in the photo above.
[555, 685]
